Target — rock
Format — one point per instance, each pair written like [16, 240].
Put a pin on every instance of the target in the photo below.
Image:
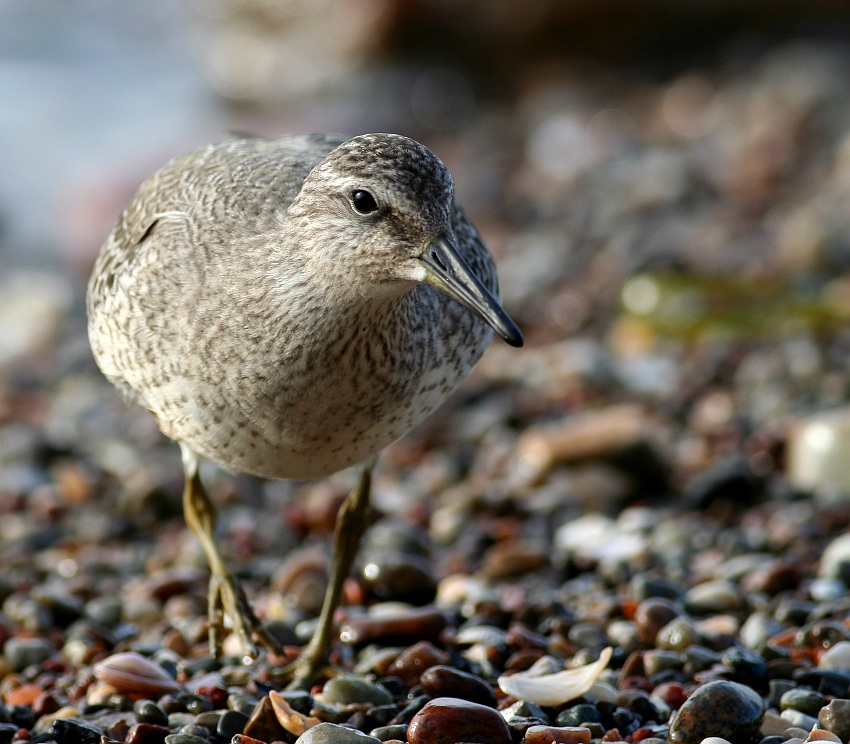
[450, 720]
[719, 708]
[556, 735]
[835, 717]
[445, 681]
[836, 657]
[146, 733]
[348, 689]
[803, 700]
[331, 733]
[416, 659]
[818, 450]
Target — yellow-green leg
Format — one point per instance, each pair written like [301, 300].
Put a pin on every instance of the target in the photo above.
[351, 523]
[226, 596]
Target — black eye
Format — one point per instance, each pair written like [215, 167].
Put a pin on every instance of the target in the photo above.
[363, 202]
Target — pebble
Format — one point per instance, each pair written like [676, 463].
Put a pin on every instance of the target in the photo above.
[445, 681]
[349, 690]
[803, 700]
[798, 719]
[229, 724]
[146, 733]
[835, 717]
[331, 733]
[719, 708]
[450, 720]
[836, 656]
[556, 735]
[22, 652]
[414, 660]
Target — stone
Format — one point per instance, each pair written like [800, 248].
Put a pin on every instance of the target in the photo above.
[450, 720]
[720, 708]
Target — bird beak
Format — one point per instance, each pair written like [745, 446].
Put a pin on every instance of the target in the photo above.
[449, 273]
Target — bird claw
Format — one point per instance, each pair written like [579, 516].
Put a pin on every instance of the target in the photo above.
[226, 598]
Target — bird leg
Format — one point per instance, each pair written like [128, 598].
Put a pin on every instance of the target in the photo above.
[226, 596]
[351, 523]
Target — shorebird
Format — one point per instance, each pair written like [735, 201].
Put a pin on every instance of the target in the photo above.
[288, 308]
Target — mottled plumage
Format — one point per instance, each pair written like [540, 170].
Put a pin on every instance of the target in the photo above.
[274, 327]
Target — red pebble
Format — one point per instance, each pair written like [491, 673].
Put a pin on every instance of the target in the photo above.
[449, 720]
[671, 693]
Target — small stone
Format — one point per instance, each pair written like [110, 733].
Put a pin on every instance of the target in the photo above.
[653, 614]
[835, 717]
[71, 731]
[184, 739]
[148, 711]
[450, 720]
[397, 731]
[677, 635]
[350, 690]
[401, 578]
[802, 699]
[230, 723]
[146, 733]
[331, 733]
[414, 660]
[557, 735]
[23, 652]
[445, 681]
[402, 627]
[712, 597]
[836, 657]
[577, 715]
[799, 720]
[757, 629]
[719, 708]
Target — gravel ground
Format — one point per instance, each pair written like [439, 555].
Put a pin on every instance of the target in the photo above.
[659, 472]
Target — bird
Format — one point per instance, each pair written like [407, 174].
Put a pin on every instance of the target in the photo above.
[287, 308]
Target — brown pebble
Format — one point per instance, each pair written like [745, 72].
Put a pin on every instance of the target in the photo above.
[512, 558]
[263, 723]
[450, 720]
[612, 735]
[651, 615]
[557, 735]
[133, 673]
[421, 623]
[45, 704]
[598, 434]
[835, 717]
[413, 661]
[25, 694]
[445, 681]
[146, 733]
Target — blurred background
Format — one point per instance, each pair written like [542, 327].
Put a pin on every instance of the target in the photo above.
[665, 186]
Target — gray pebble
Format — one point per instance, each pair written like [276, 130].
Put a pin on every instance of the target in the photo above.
[230, 723]
[803, 700]
[327, 733]
[757, 629]
[184, 739]
[835, 717]
[396, 731]
[719, 708]
[349, 690]
[24, 652]
[836, 657]
[799, 720]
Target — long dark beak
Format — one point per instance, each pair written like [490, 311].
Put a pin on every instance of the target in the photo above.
[449, 273]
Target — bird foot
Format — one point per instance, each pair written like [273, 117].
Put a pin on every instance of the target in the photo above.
[226, 598]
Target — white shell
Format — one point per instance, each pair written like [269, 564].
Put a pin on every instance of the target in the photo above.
[555, 689]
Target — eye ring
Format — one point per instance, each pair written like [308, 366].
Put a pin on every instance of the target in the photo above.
[363, 202]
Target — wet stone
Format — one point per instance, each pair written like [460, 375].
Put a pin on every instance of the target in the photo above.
[24, 652]
[444, 681]
[331, 733]
[799, 720]
[747, 667]
[828, 681]
[146, 733]
[397, 731]
[183, 738]
[557, 735]
[72, 731]
[349, 690]
[835, 717]
[450, 720]
[243, 703]
[653, 614]
[578, 714]
[802, 699]
[209, 719]
[7, 731]
[719, 708]
[148, 711]
[231, 723]
[836, 657]
[416, 659]
[524, 709]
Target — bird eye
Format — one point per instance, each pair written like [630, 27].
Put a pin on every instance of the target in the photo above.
[363, 202]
